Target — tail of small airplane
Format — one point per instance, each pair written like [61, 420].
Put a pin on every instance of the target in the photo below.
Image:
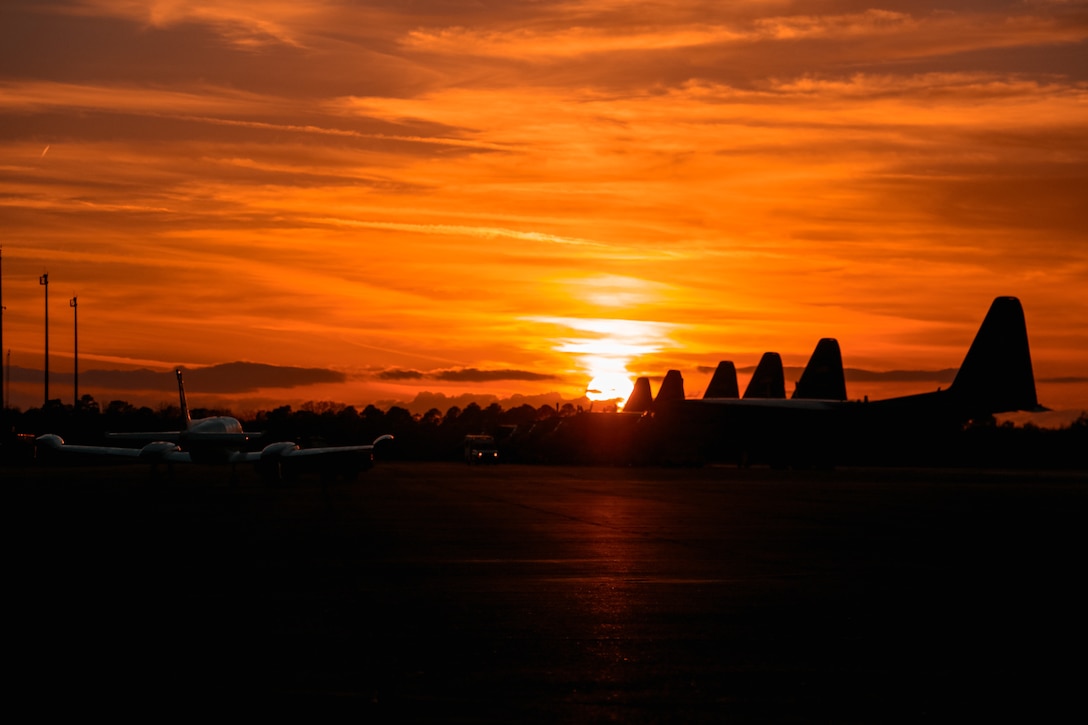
[996, 375]
[823, 377]
[769, 380]
[184, 405]
[724, 382]
[672, 388]
[641, 399]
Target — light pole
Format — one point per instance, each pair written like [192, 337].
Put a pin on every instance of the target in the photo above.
[75, 351]
[44, 281]
[3, 399]
[3, 387]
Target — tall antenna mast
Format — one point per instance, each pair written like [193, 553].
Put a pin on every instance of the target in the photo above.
[75, 352]
[3, 396]
[44, 281]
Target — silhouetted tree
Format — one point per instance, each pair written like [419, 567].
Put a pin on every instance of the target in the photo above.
[522, 416]
[489, 418]
[471, 419]
[119, 408]
[373, 415]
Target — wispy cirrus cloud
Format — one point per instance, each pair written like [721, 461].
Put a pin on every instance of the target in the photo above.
[38, 95]
[867, 35]
[243, 23]
[568, 40]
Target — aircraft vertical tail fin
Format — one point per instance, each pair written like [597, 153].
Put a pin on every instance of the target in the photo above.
[769, 380]
[641, 399]
[996, 375]
[181, 397]
[724, 382]
[672, 388]
[823, 377]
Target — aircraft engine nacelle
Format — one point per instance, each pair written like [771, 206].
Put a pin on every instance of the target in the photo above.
[157, 450]
[271, 463]
[276, 450]
[50, 440]
[49, 447]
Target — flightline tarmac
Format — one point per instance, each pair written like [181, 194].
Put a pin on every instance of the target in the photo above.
[440, 592]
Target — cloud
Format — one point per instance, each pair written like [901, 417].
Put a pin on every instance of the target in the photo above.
[685, 42]
[856, 375]
[466, 375]
[867, 23]
[473, 375]
[488, 233]
[426, 401]
[859, 375]
[249, 25]
[41, 95]
[244, 377]
[226, 378]
[565, 42]
[401, 375]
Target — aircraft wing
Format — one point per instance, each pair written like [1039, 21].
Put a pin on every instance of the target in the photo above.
[291, 451]
[328, 451]
[154, 452]
[274, 459]
[289, 457]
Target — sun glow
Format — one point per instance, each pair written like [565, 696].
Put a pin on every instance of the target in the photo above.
[605, 349]
[610, 385]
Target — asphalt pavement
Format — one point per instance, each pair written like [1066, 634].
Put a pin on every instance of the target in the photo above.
[451, 593]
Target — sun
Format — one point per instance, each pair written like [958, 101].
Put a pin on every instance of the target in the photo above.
[610, 386]
[605, 349]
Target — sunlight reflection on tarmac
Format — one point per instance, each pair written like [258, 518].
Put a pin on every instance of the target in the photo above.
[438, 592]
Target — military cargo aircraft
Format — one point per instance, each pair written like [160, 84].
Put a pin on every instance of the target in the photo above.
[818, 422]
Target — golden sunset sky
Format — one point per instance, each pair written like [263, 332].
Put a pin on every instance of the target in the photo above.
[515, 197]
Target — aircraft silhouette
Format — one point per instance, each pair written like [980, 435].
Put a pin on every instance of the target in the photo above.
[221, 440]
[768, 380]
[814, 424]
[822, 378]
[723, 384]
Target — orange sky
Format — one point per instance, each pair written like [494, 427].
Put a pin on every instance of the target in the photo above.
[509, 198]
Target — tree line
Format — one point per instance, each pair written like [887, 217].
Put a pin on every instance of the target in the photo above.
[545, 434]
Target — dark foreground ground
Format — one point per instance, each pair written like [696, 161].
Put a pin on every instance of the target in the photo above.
[440, 592]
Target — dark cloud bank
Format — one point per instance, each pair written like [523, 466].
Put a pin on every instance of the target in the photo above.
[233, 378]
[465, 375]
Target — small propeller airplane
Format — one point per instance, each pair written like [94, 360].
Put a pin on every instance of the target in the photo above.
[221, 440]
